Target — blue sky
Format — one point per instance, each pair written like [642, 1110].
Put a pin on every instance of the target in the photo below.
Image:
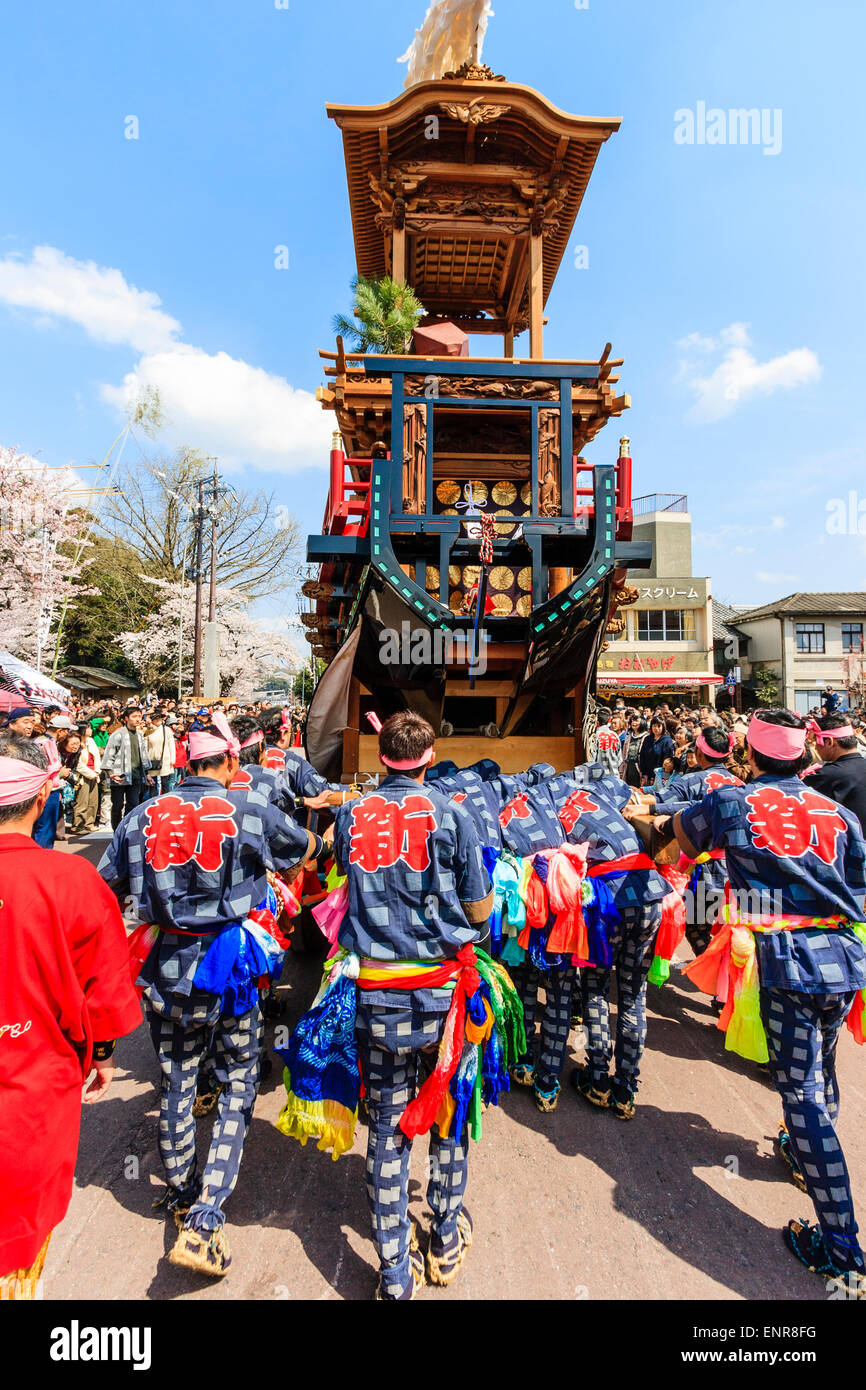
[732, 281]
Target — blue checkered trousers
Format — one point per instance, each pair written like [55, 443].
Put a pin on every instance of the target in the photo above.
[558, 986]
[398, 1045]
[233, 1046]
[632, 946]
[195, 862]
[802, 1033]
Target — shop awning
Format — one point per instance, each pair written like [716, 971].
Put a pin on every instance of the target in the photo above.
[672, 682]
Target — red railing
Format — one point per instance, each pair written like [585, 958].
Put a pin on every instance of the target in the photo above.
[348, 507]
[584, 494]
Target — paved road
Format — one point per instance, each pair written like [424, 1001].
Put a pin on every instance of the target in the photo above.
[687, 1201]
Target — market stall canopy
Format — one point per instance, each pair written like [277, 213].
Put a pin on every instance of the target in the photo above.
[35, 689]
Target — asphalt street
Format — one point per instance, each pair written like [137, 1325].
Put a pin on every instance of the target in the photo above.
[686, 1201]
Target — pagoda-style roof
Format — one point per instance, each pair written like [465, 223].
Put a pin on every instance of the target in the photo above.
[469, 188]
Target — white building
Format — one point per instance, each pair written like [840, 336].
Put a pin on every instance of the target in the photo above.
[809, 642]
[663, 644]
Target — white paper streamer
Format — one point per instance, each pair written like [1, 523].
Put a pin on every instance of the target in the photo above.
[452, 34]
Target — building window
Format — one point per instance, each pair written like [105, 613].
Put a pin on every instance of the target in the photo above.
[666, 625]
[808, 701]
[810, 637]
[852, 637]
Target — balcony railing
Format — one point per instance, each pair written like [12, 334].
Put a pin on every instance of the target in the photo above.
[660, 502]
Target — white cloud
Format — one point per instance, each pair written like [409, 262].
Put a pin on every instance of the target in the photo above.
[211, 401]
[97, 298]
[765, 577]
[723, 535]
[738, 376]
[240, 413]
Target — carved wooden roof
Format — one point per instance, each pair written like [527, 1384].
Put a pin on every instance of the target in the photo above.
[467, 167]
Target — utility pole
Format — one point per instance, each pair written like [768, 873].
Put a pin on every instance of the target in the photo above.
[199, 527]
[211, 609]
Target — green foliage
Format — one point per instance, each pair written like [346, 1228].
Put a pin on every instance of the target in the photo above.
[306, 681]
[766, 685]
[387, 312]
[121, 604]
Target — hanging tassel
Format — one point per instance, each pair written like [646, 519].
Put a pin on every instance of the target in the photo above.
[659, 971]
[857, 1014]
[140, 945]
[745, 1032]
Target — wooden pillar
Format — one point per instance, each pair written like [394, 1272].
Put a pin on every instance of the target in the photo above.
[536, 296]
[398, 254]
[509, 344]
[351, 747]
[579, 751]
[557, 580]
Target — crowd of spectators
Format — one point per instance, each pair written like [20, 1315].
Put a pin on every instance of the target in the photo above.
[657, 743]
[112, 756]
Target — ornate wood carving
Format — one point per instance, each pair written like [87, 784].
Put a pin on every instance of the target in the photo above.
[414, 459]
[487, 388]
[549, 463]
[475, 112]
[473, 72]
[389, 195]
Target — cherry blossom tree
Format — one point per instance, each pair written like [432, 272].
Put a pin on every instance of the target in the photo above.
[42, 560]
[248, 653]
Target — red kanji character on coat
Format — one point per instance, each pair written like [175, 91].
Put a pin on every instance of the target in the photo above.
[714, 780]
[518, 807]
[791, 826]
[571, 812]
[383, 832]
[180, 831]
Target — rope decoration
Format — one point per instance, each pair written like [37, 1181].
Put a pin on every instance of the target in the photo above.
[488, 531]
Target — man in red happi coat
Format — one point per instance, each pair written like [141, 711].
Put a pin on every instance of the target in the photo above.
[65, 996]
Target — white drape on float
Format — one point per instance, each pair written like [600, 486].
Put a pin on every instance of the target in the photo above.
[452, 34]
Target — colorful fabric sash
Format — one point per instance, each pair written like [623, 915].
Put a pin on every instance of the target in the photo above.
[242, 958]
[558, 912]
[672, 928]
[728, 969]
[628, 864]
[483, 1035]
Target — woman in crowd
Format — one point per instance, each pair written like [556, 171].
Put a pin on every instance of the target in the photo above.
[631, 746]
[87, 768]
[657, 746]
[681, 743]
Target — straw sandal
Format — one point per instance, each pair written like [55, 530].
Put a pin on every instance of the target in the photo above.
[444, 1262]
[207, 1252]
[583, 1083]
[811, 1249]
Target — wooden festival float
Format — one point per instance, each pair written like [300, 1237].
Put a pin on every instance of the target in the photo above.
[470, 561]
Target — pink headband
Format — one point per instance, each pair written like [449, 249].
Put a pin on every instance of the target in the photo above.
[709, 752]
[205, 745]
[257, 737]
[823, 736]
[20, 781]
[775, 740]
[407, 765]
